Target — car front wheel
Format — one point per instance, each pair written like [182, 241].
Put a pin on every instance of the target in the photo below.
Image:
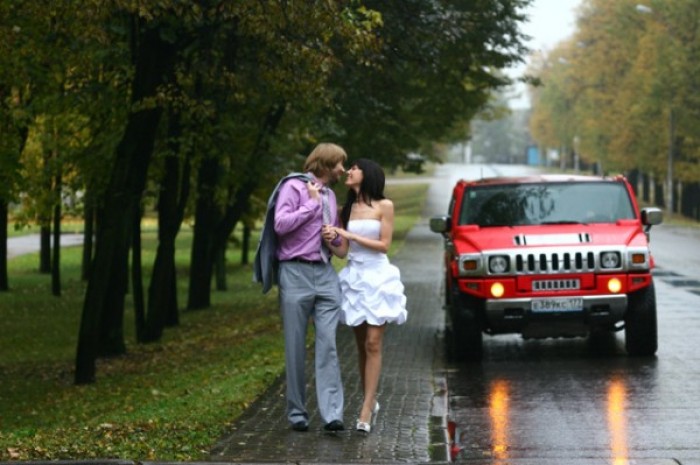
[641, 337]
[464, 336]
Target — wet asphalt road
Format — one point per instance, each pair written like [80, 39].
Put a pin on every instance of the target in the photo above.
[570, 401]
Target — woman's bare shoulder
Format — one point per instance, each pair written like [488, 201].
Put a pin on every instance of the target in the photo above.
[386, 206]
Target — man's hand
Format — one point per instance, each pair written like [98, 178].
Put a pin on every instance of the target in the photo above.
[329, 233]
[314, 190]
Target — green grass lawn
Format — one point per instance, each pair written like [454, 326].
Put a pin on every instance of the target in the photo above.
[170, 400]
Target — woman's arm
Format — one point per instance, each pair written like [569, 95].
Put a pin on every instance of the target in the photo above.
[335, 242]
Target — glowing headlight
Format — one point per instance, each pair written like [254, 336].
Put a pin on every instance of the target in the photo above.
[499, 264]
[497, 290]
[610, 260]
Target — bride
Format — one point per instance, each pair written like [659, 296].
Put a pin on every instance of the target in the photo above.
[371, 288]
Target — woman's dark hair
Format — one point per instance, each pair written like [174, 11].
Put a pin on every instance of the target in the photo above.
[371, 187]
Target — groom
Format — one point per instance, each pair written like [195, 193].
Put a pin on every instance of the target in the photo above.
[308, 285]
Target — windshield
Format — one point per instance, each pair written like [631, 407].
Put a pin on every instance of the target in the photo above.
[546, 203]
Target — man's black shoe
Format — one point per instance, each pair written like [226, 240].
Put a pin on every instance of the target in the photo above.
[335, 425]
[300, 426]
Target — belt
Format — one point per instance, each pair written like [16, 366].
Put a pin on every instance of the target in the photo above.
[308, 262]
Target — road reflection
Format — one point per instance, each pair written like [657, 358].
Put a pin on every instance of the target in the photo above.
[516, 419]
[617, 421]
[499, 415]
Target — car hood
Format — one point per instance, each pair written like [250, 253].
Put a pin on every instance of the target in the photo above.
[474, 238]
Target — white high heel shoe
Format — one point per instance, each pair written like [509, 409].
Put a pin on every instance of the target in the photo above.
[363, 427]
[366, 427]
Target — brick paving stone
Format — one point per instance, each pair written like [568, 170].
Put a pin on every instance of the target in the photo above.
[410, 427]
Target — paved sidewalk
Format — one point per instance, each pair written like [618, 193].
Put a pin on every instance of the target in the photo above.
[411, 425]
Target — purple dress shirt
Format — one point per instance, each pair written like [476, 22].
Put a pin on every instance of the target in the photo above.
[298, 221]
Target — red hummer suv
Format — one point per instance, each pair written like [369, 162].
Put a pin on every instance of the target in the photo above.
[547, 256]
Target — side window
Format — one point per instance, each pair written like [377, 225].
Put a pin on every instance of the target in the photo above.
[450, 209]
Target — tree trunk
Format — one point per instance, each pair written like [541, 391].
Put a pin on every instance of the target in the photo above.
[220, 268]
[111, 328]
[245, 245]
[45, 231]
[175, 188]
[206, 218]
[676, 198]
[4, 222]
[691, 200]
[646, 194]
[23, 135]
[45, 248]
[136, 276]
[103, 299]
[88, 234]
[659, 198]
[56, 259]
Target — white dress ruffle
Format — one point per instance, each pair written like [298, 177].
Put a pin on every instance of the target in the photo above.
[371, 287]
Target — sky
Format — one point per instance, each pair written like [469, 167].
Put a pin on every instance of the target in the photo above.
[549, 22]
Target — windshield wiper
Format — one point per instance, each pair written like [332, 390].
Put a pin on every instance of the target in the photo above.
[564, 222]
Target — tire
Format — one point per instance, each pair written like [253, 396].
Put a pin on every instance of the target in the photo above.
[463, 335]
[450, 346]
[641, 338]
[451, 350]
[468, 340]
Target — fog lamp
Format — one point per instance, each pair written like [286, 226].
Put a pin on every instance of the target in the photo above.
[614, 285]
[497, 290]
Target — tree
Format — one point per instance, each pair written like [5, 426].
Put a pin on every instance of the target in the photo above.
[154, 64]
[436, 67]
[17, 35]
[633, 105]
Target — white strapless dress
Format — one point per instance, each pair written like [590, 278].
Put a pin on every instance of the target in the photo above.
[371, 287]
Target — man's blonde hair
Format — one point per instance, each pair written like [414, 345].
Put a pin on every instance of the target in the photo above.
[324, 157]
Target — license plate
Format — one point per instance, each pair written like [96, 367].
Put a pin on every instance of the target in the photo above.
[558, 304]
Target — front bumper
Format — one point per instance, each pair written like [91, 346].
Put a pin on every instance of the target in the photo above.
[516, 315]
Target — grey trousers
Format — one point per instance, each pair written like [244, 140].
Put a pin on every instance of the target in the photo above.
[311, 291]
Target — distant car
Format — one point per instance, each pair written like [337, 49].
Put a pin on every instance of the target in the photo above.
[547, 256]
[413, 163]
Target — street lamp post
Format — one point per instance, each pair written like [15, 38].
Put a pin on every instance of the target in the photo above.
[641, 8]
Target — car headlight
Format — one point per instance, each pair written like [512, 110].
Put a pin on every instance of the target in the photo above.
[499, 264]
[610, 260]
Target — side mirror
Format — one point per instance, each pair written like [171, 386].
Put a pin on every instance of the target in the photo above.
[440, 224]
[652, 216]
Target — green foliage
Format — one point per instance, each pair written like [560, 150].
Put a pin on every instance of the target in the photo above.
[615, 83]
[436, 68]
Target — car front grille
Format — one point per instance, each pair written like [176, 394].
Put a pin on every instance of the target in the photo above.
[555, 262]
